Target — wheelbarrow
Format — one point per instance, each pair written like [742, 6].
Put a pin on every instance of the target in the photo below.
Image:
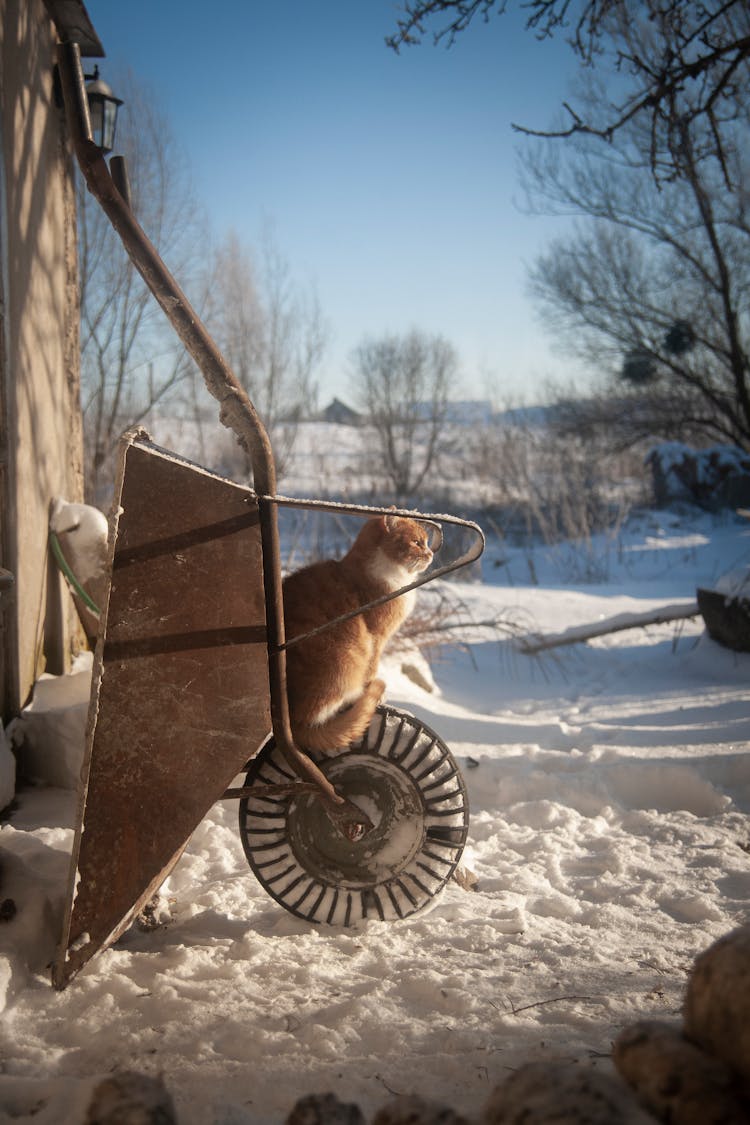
[189, 683]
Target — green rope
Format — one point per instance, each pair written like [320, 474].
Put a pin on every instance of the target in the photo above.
[69, 575]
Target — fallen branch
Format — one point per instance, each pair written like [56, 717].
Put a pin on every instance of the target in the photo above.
[678, 612]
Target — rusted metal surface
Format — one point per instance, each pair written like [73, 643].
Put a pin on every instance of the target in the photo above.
[180, 699]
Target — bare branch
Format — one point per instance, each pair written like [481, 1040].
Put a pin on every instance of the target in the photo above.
[671, 51]
[411, 27]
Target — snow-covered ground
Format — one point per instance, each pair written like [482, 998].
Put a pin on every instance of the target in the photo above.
[609, 785]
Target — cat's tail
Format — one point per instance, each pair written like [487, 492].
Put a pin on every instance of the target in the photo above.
[344, 727]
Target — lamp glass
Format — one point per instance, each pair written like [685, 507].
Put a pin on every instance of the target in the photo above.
[109, 124]
[96, 113]
[103, 107]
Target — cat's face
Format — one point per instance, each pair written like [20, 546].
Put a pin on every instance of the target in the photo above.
[393, 550]
[406, 543]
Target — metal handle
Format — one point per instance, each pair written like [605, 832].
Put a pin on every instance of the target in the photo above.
[469, 556]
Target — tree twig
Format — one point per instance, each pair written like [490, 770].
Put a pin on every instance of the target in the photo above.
[552, 1000]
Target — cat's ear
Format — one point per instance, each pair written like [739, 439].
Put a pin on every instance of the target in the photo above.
[389, 521]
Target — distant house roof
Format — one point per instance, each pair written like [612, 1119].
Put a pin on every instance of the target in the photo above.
[338, 411]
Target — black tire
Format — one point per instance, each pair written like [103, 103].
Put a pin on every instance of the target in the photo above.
[407, 781]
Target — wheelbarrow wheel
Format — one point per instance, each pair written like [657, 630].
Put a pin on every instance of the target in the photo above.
[406, 780]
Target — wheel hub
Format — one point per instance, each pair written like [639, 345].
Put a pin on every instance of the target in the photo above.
[391, 801]
[407, 787]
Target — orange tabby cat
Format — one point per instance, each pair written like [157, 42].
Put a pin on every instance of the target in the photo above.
[332, 688]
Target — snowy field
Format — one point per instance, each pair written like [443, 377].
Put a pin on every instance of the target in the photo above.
[609, 786]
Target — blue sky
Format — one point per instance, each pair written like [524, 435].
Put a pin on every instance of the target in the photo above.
[390, 180]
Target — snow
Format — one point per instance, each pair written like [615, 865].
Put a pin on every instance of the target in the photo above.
[609, 785]
[689, 473]
[708, 462]
[48, 738]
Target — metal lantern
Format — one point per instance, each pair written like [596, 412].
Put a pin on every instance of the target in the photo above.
[103, 107]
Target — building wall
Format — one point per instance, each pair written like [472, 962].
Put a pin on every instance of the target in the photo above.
[40, 422]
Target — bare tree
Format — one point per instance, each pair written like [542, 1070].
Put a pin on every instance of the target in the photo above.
[652, 286]
[673, 59]
[272, 332]
[130, 356]
[235, 310]
[403, 384]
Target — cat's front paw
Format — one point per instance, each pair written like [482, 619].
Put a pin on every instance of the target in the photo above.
[333, 753]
